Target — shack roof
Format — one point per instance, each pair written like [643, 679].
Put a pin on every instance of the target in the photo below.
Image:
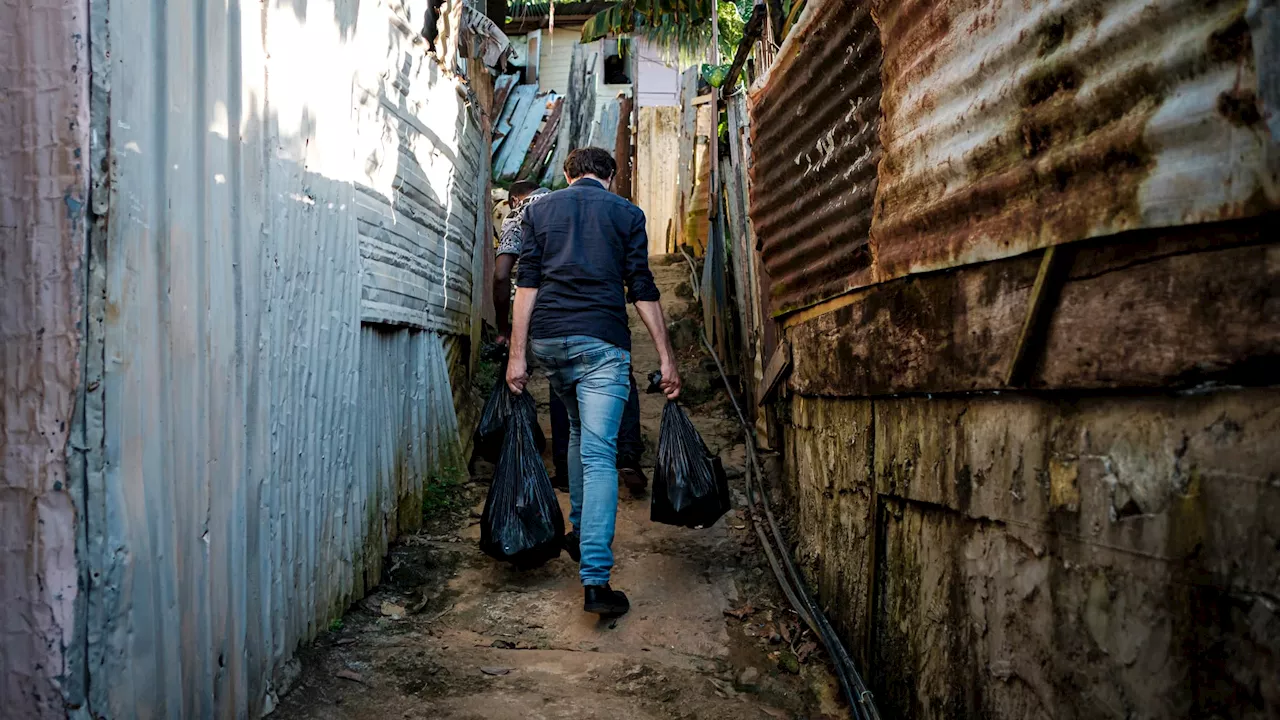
[529, 16]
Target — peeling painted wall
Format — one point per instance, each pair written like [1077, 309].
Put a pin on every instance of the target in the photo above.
[43, 190]
[285, 199]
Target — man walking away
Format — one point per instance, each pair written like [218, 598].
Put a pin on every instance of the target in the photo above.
[630, 445]
[584, 256]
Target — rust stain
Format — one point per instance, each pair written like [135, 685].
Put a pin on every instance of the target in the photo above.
[815, 127]
[1007, 129]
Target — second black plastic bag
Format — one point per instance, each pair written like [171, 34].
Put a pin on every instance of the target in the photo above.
[502, 404]
[690, 488]
[522, 523]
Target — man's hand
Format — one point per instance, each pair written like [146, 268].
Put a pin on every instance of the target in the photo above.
[670, 382]
[517, 374]
[651, 313]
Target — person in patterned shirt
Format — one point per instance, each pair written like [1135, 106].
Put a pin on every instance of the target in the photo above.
[522, 195]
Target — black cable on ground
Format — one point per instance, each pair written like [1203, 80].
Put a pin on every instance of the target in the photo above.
[861, 703]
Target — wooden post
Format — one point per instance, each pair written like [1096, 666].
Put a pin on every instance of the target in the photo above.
[635, 106]
[622, 149]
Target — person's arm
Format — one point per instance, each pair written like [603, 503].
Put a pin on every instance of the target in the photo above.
[528, 278]
[502, 295]
[654, 319]
[517, 362]
[642, 291]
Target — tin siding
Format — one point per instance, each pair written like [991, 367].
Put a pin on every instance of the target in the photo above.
[43, 192]
[257, 446]
[816, 125]
[417, 202]
[1011, 127]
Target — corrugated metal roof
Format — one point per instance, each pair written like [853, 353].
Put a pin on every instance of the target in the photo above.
[1014, 126]
[815, 127]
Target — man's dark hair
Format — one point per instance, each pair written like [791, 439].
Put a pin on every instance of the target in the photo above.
[590, 161]
[521, 189]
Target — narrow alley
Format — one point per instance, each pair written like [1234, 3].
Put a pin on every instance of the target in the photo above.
[453, 634]
[995, 286]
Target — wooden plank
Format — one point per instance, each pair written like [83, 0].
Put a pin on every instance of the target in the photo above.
[517, 103]
[502, 90]
[604, 130]
[774, 373]
[704, 99]
[688, 131]
[522, 131]
[1043, 296]
[542, 147]
[1155, 309]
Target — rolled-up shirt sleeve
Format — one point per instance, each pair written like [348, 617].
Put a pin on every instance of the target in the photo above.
[638, 277]
[529, 274]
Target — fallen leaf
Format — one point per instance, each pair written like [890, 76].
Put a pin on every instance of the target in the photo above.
[392, 610]
[805, 650]
[349, 675]
[741, 613]
[495, 670]
[775, 712]
[784, 628]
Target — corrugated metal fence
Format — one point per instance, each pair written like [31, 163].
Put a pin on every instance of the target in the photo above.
[265, 179]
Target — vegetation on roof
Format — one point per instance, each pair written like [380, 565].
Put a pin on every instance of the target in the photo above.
[681, 28]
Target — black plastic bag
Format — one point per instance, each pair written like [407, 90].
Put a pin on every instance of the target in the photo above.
[522, 523]
[500, 406]
[690, 488]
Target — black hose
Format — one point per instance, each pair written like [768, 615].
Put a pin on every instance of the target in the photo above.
[861, 702]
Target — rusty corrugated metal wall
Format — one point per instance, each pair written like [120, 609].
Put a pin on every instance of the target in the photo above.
[1096, 538]
[1004, 130]
[265, 179]
[44, 138]
[1009, 128]
[815, 120]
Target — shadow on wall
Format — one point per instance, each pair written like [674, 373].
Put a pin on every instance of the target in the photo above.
[346, 13]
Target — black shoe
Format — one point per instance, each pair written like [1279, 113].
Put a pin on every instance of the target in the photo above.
[634, 479]
[604, 600]
[572, 544]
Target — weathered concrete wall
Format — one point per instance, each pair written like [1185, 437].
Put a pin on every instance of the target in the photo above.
[43, 190]
[1012, 556]
[1105, 546]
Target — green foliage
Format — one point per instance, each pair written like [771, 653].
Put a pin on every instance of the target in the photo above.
[444, 495]
[682, 28]
[714, 74]
[336, 625]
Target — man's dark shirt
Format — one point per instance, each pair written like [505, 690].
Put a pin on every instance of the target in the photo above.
[582, 246]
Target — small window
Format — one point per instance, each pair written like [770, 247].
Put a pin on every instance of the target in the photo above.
[617, 61]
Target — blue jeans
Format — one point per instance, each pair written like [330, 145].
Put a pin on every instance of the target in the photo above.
[590, 377]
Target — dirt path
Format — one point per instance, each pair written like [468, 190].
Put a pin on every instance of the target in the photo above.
[454, 634]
